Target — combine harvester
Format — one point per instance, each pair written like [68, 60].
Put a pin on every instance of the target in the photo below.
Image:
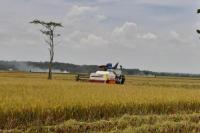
[108, 74]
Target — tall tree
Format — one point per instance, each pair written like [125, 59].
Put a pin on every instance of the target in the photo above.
[49, 31]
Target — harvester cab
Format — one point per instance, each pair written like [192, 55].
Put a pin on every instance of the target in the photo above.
[107, 74]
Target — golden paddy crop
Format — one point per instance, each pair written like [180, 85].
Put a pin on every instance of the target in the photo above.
[29, 99]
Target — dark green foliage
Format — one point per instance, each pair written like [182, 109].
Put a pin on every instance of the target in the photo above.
[46, 24]
[198, 10]
[198, 31]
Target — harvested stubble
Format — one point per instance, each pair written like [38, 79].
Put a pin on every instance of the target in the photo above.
[177, 123]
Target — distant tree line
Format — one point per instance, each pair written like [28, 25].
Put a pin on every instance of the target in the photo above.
[72, 68]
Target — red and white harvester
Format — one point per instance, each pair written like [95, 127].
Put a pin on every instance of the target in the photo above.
[107, 74]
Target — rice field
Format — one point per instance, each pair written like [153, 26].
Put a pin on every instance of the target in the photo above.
[31, 103]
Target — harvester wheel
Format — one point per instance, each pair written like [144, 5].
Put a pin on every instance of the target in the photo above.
[123, 79]
[120, 79]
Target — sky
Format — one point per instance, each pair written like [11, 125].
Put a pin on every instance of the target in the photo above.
[156, 35]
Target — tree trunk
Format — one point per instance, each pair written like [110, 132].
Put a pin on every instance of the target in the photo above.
[50, 70]
[51, 63]
[51, 50]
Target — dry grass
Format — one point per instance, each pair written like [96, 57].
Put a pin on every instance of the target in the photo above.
[184, 123]
[28, 100]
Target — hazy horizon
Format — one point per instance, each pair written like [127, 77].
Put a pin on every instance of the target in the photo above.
[146, 34]
[27, 67]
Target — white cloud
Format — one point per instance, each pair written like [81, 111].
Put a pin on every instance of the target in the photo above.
[101, 17]
[77, 10]
[130, 35]
[181, 39]
[148, 36]
[125, 36]
[78, 39]
[108, 1]
[166, 2]
[174, 34]
[76, 35]
[127, 30]
[83, 16]
[93, 40]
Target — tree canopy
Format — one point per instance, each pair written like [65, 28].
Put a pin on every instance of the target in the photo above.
[47, 24]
